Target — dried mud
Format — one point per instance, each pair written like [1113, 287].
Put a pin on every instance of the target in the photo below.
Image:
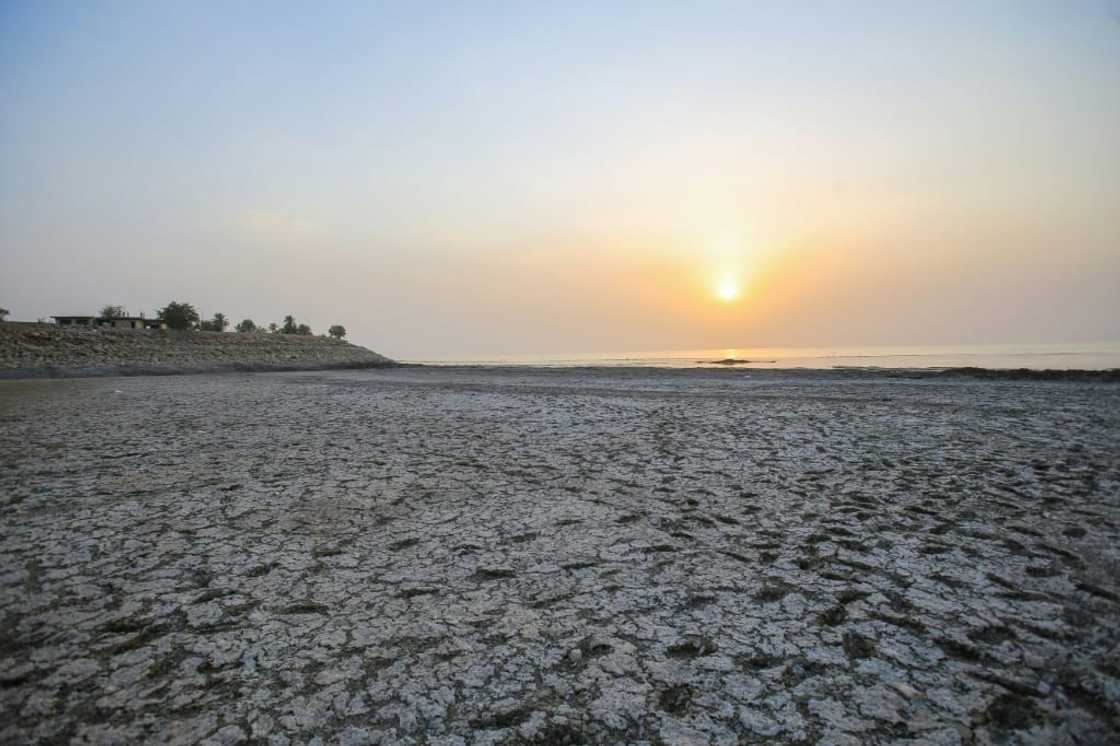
[518, 556]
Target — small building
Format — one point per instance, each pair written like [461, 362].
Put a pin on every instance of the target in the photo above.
[134, 322]
[119, 322]
[75, 320]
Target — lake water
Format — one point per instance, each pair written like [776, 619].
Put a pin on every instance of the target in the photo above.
[1086, 356]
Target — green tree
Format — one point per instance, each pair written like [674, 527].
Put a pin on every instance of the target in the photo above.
[338, 331]
[4, 314]
[303, 329]
[247, 325]
[272, 328]
[113, 312]
[179, 315]
[289, 326]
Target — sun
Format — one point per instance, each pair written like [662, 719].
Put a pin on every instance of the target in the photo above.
[727, 290]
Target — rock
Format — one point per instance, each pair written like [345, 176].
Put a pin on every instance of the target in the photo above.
[84, 352]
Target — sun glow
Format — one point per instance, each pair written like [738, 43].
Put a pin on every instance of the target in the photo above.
[727, 289]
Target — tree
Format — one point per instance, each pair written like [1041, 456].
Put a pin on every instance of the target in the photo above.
[113, 312]
[216, 324]
[247, 325]
[338, 331]
[272, 328]
[4, 314]
[303, 329]
[179, 315]
[289, 326]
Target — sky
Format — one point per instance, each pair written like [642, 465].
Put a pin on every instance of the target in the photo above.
[479, 178]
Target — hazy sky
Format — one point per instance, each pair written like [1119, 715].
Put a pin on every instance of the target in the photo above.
[477, 178]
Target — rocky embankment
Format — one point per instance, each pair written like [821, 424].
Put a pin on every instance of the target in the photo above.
[43, 350]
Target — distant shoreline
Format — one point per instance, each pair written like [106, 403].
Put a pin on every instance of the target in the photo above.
[1111, 375]
[1040, 356]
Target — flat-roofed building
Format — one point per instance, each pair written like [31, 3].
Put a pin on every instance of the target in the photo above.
[117, 322]
[75, 320]
[125, 322]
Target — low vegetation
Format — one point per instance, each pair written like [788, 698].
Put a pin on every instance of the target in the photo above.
[184, 316]
[216, 324]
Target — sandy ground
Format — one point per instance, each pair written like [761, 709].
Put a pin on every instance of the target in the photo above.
[527, 556]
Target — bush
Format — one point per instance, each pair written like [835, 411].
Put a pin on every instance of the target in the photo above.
[338, 331]
[216, 324]
[179, 315]
[246, 325]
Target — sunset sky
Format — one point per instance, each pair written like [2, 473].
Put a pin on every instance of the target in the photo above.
[489, 178]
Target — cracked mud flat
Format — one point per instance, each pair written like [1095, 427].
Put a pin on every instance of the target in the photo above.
[532, 556]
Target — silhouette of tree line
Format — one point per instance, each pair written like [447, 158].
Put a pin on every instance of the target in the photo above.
[184, 316]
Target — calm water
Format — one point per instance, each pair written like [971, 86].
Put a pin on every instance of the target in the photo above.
[1088, 356]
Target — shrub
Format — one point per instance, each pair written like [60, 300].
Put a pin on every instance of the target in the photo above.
[216, 324]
